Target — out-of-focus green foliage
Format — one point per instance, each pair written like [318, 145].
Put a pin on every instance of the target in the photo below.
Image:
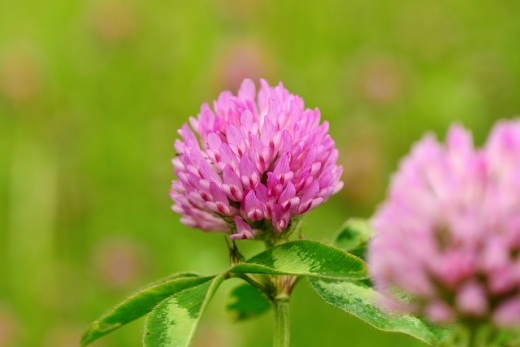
[247, 301]
[91, 96]
[354, 237]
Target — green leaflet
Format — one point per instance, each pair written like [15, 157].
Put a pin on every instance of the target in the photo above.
[248, 301]
[173, 322]
[305, 258]
[354, 236]
[139, 304]
[359, 300]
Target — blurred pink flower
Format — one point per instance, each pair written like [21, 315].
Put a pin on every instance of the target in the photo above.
[242, 58]
[259, 160]
[21, 79]
[381, 81]
[115, 21]
[449, 233]
[120, 263]
[9, 327]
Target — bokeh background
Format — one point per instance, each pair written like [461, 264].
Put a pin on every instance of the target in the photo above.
[91, 96]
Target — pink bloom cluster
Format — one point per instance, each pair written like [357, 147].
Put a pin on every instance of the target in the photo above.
[253, 162]
[449, 233]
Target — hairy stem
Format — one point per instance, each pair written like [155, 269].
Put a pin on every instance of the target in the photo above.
[282, 326]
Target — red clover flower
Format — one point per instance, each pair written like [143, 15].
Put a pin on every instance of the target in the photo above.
[449, 232]
[253, 163]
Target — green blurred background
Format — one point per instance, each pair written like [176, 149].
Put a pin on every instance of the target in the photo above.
[91, 96]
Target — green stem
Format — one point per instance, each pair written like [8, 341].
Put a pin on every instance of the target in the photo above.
[472, 337]
[251, 281]
[282, 327]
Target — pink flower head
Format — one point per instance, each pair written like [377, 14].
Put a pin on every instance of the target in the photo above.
[252, 163]
[449, 232]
